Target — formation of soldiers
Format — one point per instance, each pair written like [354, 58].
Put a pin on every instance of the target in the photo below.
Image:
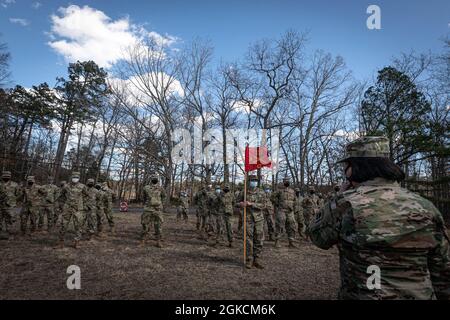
[44, 207]
[372, 221]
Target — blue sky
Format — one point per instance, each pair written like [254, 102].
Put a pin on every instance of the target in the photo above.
[338, 27]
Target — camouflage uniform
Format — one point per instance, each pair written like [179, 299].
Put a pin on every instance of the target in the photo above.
[255, 224]
[301, 227]
[210, 212]
[225, 207]
[100, 205]
[90, 208]
[74, 195]
[268, 216]
[379, 223]
[11, 192]
[32, 196]
[59, 203]
[154, 197]
[284, 201]
[202, 209]
[48, 205]
[183, 207]
[310, 206]
[108, 206]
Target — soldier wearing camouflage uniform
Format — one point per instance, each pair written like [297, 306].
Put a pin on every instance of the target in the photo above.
[284, 200]
[202, 210]
[310, 206]
[100, 204]
[48, 205]
[298, 211]
[375, 222]
[12, 192]
[254, 223]
[183, 206]
[59, 203]
[268, 214]
[227, 208]
[74, 195]
[32, 197]
[108, 206]
[90, 208]
[154, 196]
[210, 209]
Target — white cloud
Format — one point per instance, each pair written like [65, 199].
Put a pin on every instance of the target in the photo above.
[84, 33]
[36, 5]
[7, 3]
[19, 21]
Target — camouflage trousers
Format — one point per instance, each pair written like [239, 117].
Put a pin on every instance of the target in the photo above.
[149, 216]
[71, 215]
[182, 211]
[216, 220]
[308, 215]
[269, 221]
[31, 215]
[46, 212]
[255, 234]
[7, 219]
[57, 213]
[109, 215]
[301, 227]
[99, 212]
[228, 226]
[89, 220]
[285, 219]
[202, 216]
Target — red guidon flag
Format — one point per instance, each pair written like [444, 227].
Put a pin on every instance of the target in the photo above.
[256, 158]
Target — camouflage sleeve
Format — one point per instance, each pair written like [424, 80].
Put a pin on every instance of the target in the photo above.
[439, 262]
[324, 229]
[163, 194]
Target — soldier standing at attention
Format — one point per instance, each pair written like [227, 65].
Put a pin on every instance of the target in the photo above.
[100, 204]
[255, 223]
[108, 206]
[310, 206]
[74, 195]
[284, 200]
[48, 205]
[59, 203]
[268, 213]
[90, 208]
[11, 192]
[32, 196]
[375, 222]
[227, 205]
[217, 212]
[183, 206]
[154, 196]
[209, 201]
[298, 211]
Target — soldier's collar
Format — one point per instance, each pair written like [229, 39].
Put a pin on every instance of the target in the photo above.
[379, 181]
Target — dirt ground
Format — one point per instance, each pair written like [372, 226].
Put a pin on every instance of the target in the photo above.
[115, 267]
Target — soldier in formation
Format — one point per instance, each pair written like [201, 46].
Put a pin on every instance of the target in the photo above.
[254, 204]
[224, 205]
[11, 193]
[32, 196]
[154, 197]
[310, 206]
[268, 213]
[284, 201]
[373, 221]
[47, 211]
[298, 212]
[183, 206]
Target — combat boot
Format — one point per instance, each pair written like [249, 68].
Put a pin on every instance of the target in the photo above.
[248, 264]
[230, 244]
[142, 243]
[76, 244]
[112, 230]
[158, 244]
[277, 244]
[59, 245]
[292, 244]
[257, 264]
[271, 237]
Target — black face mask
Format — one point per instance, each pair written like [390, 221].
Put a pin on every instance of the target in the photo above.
[311, 192]
[30, 183]
[90, 185]
[5, 179]
[226, 190]
[286, 184]
[154, 181]
[98, 187]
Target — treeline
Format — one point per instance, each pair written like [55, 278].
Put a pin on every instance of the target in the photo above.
[118, 125]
